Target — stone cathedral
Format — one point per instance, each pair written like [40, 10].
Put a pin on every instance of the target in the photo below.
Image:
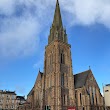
[57, 88]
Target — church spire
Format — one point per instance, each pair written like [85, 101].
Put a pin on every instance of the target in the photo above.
[57, 32]
[57, 22]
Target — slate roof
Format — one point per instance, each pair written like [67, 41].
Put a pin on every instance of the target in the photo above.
[8, 92]
[41, 74]
[39, 77]
[30, 93]
[80, 79]
[107, 85]
[20, 97]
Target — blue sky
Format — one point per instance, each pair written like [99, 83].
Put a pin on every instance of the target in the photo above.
[24, 30]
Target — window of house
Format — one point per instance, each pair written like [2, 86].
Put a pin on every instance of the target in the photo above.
[13, 96]
[8, 96]
[12, 101]
[2, 95]
[106, 90]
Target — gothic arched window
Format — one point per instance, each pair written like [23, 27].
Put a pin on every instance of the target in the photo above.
[92, 98]
[62, 58]
[62, 80]
[50, 59]
[80, 99]
[64, 100]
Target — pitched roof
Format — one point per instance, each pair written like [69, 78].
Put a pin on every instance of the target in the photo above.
[80, 79]
[8, 92]
[39, 77]
[20, 97]
[107, 85]
[30, 93]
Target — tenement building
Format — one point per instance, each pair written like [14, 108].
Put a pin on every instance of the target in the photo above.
[57, 88]
[9, 100]
[107, 96]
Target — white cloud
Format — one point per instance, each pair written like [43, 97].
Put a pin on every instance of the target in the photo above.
[19, 34]
[7, 6]
[89, 12]
[19, 37]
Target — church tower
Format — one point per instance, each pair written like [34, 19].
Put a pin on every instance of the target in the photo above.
[58, 92]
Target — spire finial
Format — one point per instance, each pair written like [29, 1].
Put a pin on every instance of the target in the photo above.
[57, 32]
[58, 2]
[57, 16]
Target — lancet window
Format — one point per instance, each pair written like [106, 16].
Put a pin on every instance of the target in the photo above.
[62, 58]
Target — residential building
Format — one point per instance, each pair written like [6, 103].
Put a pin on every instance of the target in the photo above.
[20, 100]
[107, 95]
[7, 100]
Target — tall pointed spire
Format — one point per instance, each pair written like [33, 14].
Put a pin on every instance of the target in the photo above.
[57, 32]
[57, 22]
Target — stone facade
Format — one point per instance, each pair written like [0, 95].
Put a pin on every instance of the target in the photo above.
[7, 100]
[57, 87]
[87, 92]
[106, 95]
